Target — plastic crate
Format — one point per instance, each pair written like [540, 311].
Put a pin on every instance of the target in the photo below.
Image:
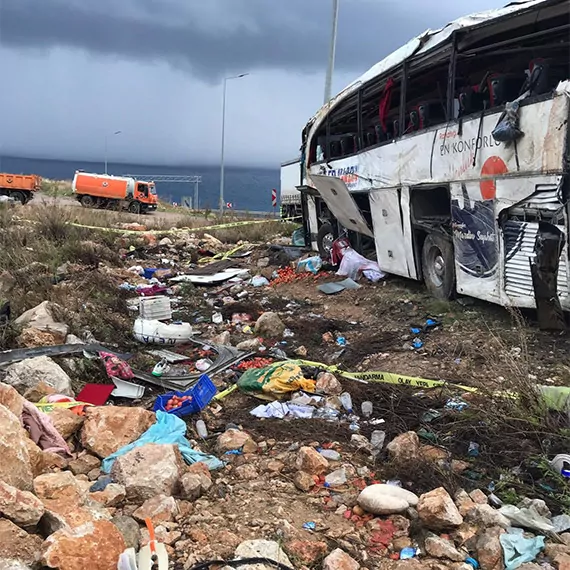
[202, 393]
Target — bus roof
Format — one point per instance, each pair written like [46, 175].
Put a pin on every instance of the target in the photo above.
[426, 42]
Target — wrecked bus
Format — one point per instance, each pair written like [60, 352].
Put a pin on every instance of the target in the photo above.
[410, 160]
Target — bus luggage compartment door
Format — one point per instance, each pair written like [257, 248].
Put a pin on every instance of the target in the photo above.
[341, 203]
[393, 242]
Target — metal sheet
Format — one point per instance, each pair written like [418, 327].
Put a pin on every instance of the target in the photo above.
[342, 205]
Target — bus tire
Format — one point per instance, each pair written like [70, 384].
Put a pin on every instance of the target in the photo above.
[438, 266]
[325, 239]
[135, 207]
[87, 201]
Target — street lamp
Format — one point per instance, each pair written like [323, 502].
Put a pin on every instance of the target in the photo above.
[106, 145]
[332, 53]
[226, 79]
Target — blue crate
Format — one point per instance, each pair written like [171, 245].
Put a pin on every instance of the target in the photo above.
[202, 393]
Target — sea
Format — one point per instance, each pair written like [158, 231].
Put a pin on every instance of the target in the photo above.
[245, 188]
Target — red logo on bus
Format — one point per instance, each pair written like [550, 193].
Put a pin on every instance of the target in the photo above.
[491, 167]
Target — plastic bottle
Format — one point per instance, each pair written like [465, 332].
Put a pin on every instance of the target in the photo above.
[346, 401]
[377, 441]
[367, 408]
[201, 429]
[160, 367]
[330, 454]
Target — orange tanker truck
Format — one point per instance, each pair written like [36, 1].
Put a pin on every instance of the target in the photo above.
[19, 187]
[114, 192]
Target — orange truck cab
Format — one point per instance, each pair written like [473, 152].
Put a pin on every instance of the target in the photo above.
[19, 187]
[114, 192]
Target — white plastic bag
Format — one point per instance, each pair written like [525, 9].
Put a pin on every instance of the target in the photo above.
[353, 263]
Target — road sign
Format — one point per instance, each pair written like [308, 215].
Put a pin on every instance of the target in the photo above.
[274, 198]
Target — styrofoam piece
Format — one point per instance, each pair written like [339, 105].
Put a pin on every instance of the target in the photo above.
[156, 332]
[210, 279]
[126, 389]
[155, 308]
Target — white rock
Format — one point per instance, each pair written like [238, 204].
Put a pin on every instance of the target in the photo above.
[29, 373]
[386, 499]
[41, 318]
[261, 549]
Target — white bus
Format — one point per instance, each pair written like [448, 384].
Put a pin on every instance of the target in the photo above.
[405, 162]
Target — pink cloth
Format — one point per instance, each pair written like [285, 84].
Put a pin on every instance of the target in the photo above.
[42, 431]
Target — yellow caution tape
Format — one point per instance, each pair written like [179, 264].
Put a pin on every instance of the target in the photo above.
[388, 377]
[177, 230]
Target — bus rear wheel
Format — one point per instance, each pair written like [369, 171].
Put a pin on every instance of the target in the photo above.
[438, 266]
[325, 239]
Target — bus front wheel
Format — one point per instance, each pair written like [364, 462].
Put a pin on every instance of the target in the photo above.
[438, 266]
[325, 239]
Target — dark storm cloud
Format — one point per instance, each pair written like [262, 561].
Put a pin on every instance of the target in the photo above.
[211, 37]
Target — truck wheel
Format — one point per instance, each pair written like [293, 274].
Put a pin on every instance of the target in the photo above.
[135, 207]
[87, 201]
[325, 239]
[438, 266]
[19, 196]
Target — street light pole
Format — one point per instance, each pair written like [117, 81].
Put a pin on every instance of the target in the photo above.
[107, 144]
[332, 53]
[222, 169]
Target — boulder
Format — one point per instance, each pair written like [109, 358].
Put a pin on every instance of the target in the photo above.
[247, 472]
[37, 458]
[21, 507]
[17, 546]
[262, 549]
[404, 447]
[39, 391]
[303, 481]
[84, 464]
[477, 496]
[95, 545]
[486, 516]
[41, 318]
[234, 439]
[28, 373]
[437, 510]
[327, 383]
[107, 429]
[194, 484]
[33, 338]
[269, 325]
[15, 467]
[383, 499]
[130, 530]
[339, 560]
[66, 422]
[111, 496]
[149, 470]
[463, 502]
[307, 552]
[60, 486]
[159, 509]
[250, 345]
[9, 398]
[489, 549]
[223, 339]
[441, 548]
[311, 461]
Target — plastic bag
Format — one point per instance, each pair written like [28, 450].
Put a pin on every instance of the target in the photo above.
[115, 367]
[312, 264]
[168, 429]
[518, 550]
[507, 129]
[352, 263]
[275, 380]
[526, 518]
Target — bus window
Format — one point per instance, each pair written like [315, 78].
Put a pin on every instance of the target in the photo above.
[380, 112]
[426, 98]
[343, 129]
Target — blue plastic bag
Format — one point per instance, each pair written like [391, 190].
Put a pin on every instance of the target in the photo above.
[168, 429]
[517, 550]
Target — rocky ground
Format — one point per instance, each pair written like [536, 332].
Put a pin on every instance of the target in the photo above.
[460, 481]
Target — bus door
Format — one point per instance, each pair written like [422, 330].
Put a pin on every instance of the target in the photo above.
[475, 243]
[337, 197]
[392, 231]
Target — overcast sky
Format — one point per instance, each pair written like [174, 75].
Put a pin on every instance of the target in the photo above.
[74, 70]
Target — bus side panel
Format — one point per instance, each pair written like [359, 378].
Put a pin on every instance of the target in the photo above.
[392, 247]
[475, 243]
[313, 222]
